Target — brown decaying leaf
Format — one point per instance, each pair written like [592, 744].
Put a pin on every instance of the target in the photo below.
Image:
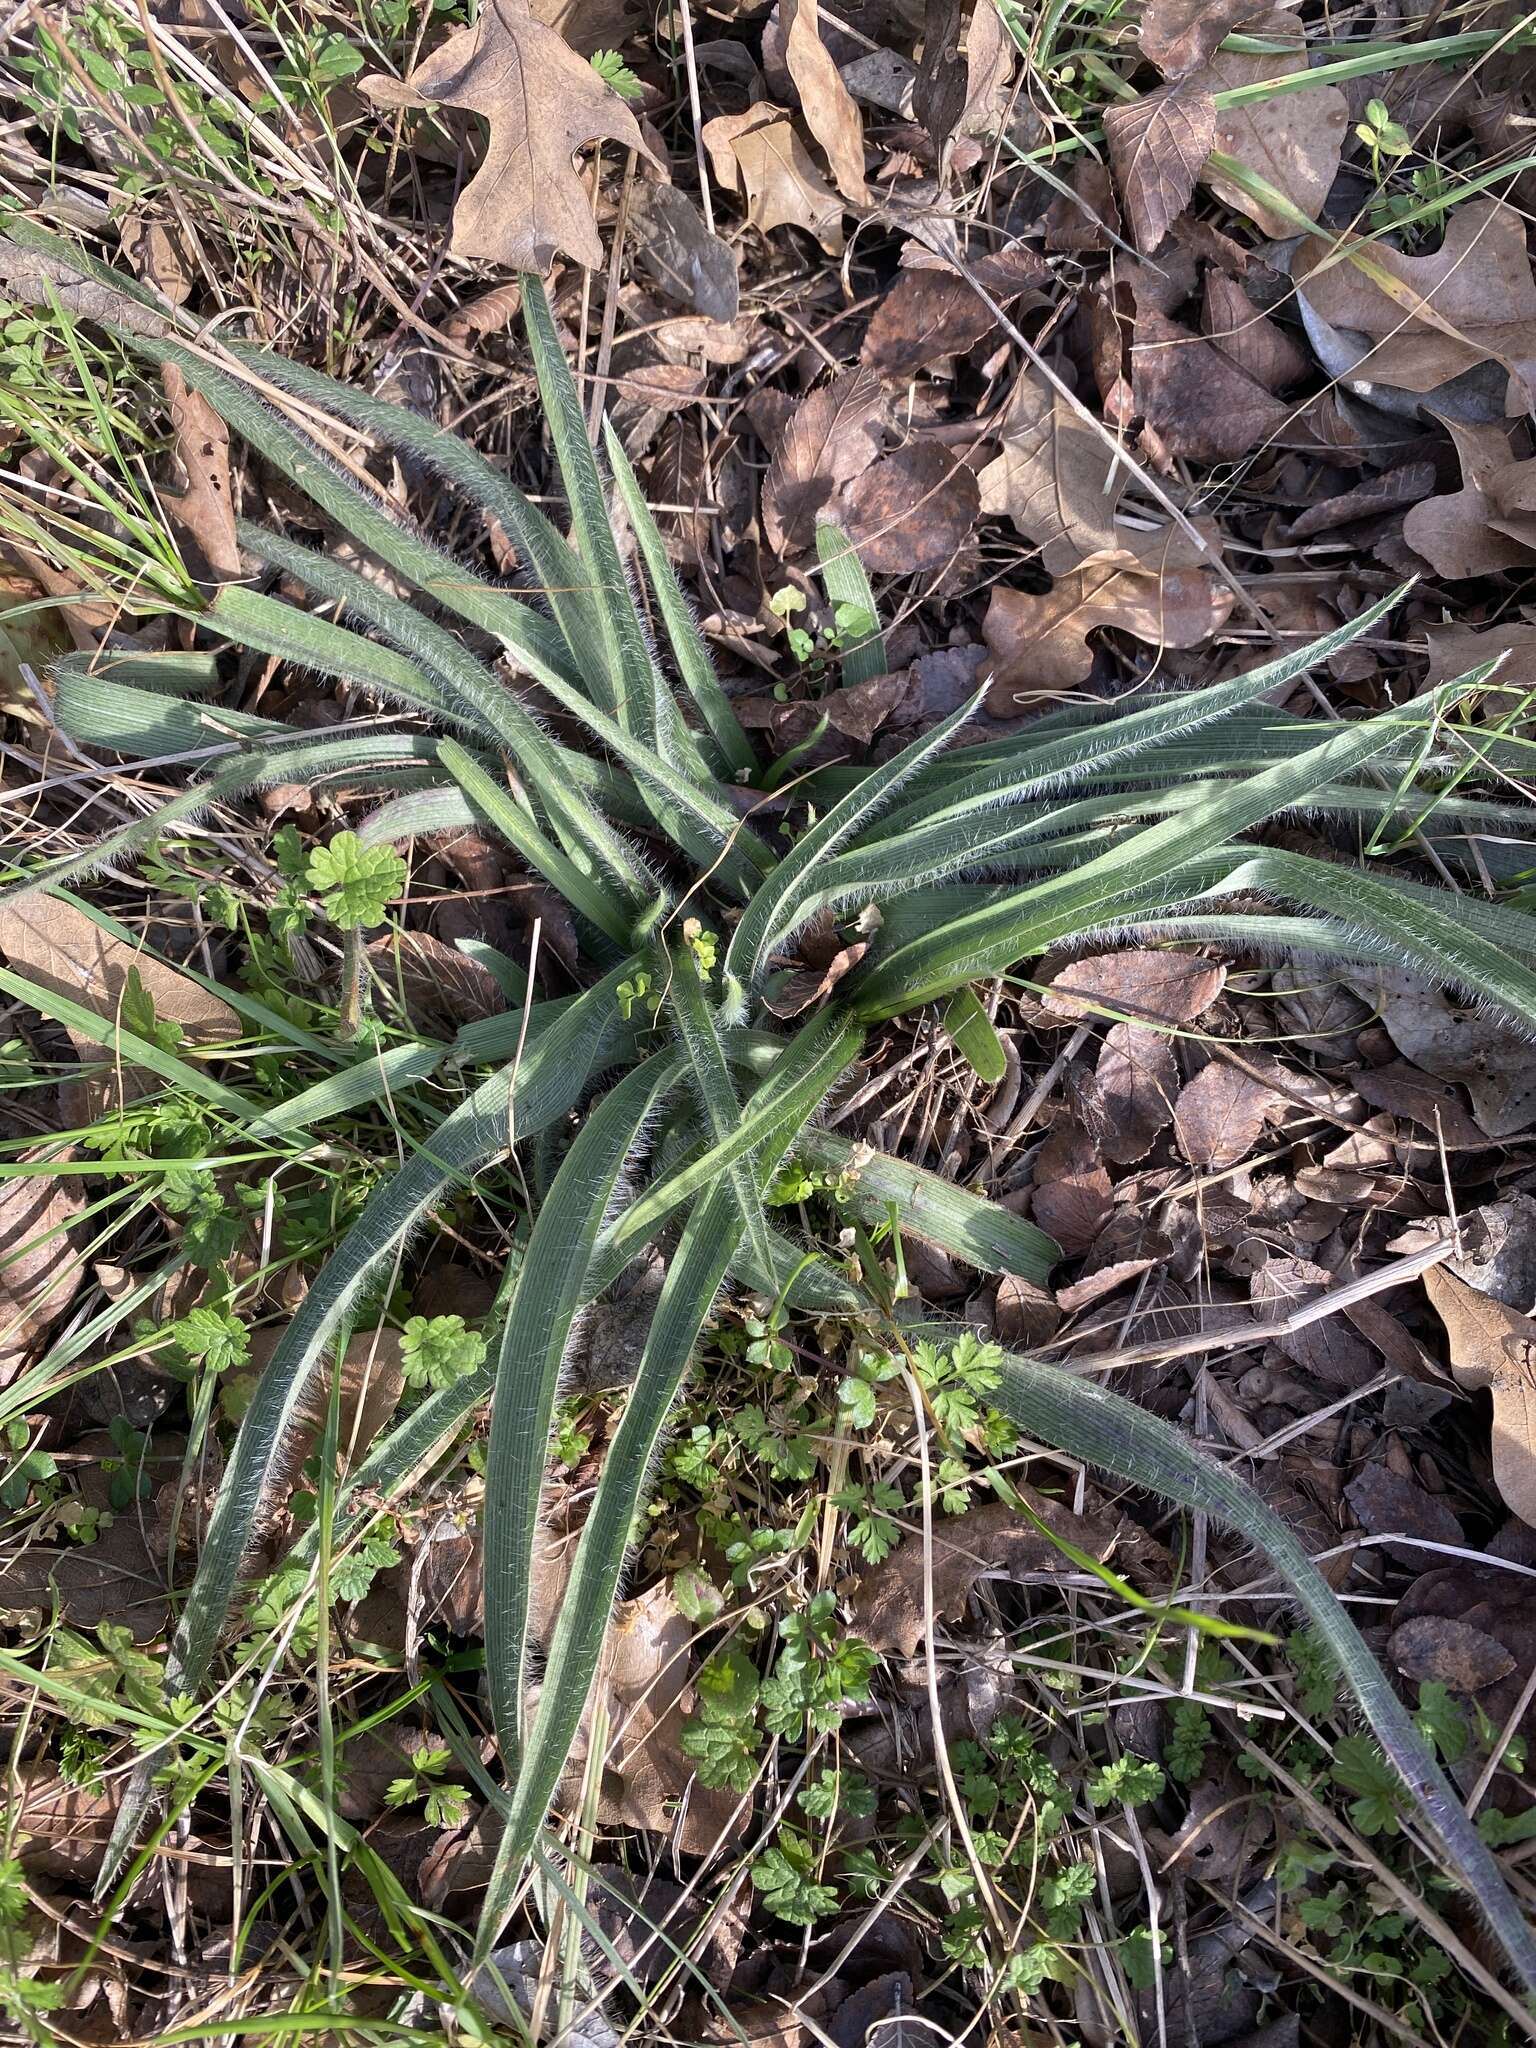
[1259, 346]
[833, 436]
[436, 983]
[1158, 988]
[825, 101]
[62, 949]
[1292, 139]
[1220, 1114]
[1432, 1648]
[526, 204]
[1409, 484]
[759, 154]
[1198, 406]
[39, 1268]
[1457, 1043]
[1056, 478]
[1494, 1346]
[929, 314]
[1132, 1091]
[1461, 533]
[1071, 1199]
[910, 513]
[1178, 35]
[1386, 1504]
[1158, 144]
[1158, 590]
[204, 512]
[887, 1605]
[1472, 301]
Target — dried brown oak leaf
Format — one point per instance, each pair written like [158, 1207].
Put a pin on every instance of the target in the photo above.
[39, 1269]
[929, 314]
[1158, 589]
[1072, 1193]
[1178, 35]
[759, 155]
[1291, 139]
[1466, 532]
[541, 102]
[1156, 988]
[1431, 317]
[1056, 478]
[887, 1605]
[832, 437]
[1158, 144]
[1495, 1347]
[825, 102]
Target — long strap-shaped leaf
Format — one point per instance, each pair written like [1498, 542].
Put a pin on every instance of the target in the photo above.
[470, 694]
[556, 567]
[773, 911]
[861, 657]
[549, 1292]
[1099, 750]
[736, 757]
[990, 940]
[709, 1239]
[1087, 1421]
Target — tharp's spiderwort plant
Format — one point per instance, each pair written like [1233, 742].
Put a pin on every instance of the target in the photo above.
[686, 898]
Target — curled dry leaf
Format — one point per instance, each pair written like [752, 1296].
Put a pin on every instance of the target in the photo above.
[1179, 35]
[1292, 139]
[526, 204]
[39, 1269]
[887, 1605]
[62, 949]
[759, 155]
[1431, 317]
[1386, 1504]
[1409, 484]
[1057, 478]
[1158, 590]
[1158, 144]
[929, 314]
[1158, 988]
[825, 102]
[1494, 1346]
[1462, 533]
[912, 512]
[832, 437]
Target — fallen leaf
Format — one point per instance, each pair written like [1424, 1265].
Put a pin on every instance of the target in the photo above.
[1457, 534]
[1259, 346]
[929, 314]
[158, 255]
[1409, 484]
[832, 437]
[62, 1829]
[675, 248]
[1023, 1314]
[204, 512]
[939, 91]
[372, 1381]
[1040, 643]
[62, 949]
[1083, 219]
[1179, 35]
[1472, 301]
[1494, 1346]
[1197, 405]
[1132, 1092]
[1158, 144]
[1220, 1114]
[825, 102]
[1328, 1350]
[1386, 1504]
[1159, 988]
[526, 204]
[1057, 478]
[821, 961]
[1459, 1043]
[588, 25]
[1071, 1199]
[910, 513]
[39, 1267]
[1104, 1280]
[1434, 1649]
[437, 984]
[1291, 139]
[859, 711]
[886, 1608]
[1498, 1251]
[759, 154]
[1455, 649]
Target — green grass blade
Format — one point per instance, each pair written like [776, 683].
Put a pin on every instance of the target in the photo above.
[736, 759]
[862, 656]
[548, 1294]
[973, 1035]
[106, 712]
[1087, 1421]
